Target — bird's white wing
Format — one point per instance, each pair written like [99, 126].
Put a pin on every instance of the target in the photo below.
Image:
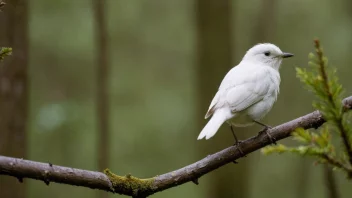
[243, 86]
[245, 95]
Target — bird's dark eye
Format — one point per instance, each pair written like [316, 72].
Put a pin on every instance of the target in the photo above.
[267, 53]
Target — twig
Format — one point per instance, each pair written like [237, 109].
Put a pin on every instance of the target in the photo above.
[336, 163]
[41, 171]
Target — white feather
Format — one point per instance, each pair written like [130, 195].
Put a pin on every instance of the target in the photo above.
[247, 92]
[213, 125]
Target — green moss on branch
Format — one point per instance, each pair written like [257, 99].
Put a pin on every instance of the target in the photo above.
[138, 187]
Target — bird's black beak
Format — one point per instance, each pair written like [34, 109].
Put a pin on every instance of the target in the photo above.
[286, 55]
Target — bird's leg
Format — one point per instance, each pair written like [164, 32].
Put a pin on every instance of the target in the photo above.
[262, 124]
[237, 143]
[234, 135]
[265, 130]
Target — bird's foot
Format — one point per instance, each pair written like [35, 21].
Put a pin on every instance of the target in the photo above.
[238, 145]
[265, 130]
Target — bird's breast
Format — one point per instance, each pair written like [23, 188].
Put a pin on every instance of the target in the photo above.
[260, 109]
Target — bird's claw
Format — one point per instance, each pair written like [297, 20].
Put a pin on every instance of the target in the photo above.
[237, 144]
[265, 130]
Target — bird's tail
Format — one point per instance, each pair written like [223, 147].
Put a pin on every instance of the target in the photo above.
[212, 126]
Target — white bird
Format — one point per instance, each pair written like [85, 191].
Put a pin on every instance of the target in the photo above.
[248, 91]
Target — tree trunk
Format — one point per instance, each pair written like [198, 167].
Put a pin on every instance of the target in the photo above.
[303, 177]
[13, 90]
[330, 182]
[214, 33]
[102, 86]
[265, 29]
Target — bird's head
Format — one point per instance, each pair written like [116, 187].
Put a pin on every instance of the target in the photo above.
[266, 53]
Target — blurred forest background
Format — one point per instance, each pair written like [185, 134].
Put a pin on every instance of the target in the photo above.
[126, 84]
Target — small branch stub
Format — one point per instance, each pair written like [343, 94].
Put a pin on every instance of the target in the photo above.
[195, 181]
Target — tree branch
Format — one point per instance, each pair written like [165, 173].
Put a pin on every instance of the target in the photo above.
[135, 187]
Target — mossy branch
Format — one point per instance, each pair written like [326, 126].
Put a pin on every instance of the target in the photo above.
[323, 82]
[138, 187]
